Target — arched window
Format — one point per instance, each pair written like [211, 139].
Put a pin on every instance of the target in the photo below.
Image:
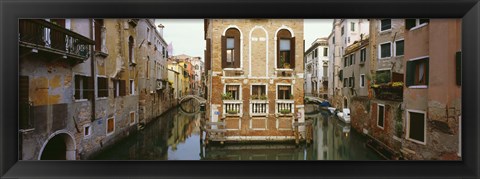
[285, 49]
[231, 49]
[130, 50]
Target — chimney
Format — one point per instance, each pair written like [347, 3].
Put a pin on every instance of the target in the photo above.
[160, 29]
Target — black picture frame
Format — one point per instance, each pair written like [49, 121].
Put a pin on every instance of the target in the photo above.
[468, 10]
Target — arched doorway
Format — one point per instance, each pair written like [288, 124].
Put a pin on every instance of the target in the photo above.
[60, 146]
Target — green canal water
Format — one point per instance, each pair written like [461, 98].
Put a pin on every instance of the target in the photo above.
[176, 136]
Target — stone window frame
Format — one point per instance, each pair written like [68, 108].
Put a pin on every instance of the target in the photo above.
[380, 50]
[378, 116]
[240, 93]
[352, 26]
[89, 126]
[284, 84]
[240, 60]
[106, 126]
[407, 132]
[418, 86]
[395, 47]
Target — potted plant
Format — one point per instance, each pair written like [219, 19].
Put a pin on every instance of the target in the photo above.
[285, 111]
[227, 96]
[263, 97]
[255, 97]
[286, 65]
[291, 96]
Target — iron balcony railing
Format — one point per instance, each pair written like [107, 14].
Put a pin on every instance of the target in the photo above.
[43, 35]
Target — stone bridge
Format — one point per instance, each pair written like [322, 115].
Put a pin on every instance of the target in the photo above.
[198, 98]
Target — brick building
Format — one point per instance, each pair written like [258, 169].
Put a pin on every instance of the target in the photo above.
[256, 76]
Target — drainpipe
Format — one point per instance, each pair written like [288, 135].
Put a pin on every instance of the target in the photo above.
[92, 72]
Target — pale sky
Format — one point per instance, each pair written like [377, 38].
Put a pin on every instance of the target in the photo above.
[186, 35]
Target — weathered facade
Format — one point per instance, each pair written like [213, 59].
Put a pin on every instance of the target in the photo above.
[78, 86]
[256, 82]
[432, 92]
[315, 75]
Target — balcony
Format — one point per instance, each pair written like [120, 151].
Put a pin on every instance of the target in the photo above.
[258, 108]
[39, 36]
[232, 108]
[389, 91]
[284, 107]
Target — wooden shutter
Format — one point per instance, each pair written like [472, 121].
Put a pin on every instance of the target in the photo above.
[236, 62]
[410, 73]
[409, 23]
[458, 68]
[374, 112]
[89, 88]
[208, 55]
[122, 88]
[426, 71]
[224, 52]
[77, 86]
[278, 53]
[98, 34]
[292, 52]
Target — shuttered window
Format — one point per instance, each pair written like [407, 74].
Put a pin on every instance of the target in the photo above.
[458, 68]
[132, 117]
[417, 72]
[385, 24]
[411, 23]
[102, 87]
[399, 50]
[385, 50]
[231, 49]
[416, 126]
[258, 90]
[83, 87]
[285, 49]
[363, 55]
[98, 23]
[284, 92]
[110, 125]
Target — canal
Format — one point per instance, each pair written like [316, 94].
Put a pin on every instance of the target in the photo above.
[176, 136]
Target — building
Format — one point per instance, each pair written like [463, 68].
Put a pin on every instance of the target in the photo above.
[82, 83]
[315, 75]
[198, 68]
[432, 93]
[344, 33]
[256, 82]
[152, 62]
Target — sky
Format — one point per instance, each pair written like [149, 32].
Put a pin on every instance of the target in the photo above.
[186, 35]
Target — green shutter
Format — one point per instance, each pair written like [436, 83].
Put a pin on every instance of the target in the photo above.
[458, 67]
[340, 75]
[427, 71]
[410, 74]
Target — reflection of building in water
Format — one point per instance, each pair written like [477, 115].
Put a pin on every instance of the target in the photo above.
[258, 152]
[183, 126]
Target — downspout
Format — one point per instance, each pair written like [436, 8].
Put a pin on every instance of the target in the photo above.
[92, 70]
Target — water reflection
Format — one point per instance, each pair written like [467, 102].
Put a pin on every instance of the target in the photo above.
[176, 136]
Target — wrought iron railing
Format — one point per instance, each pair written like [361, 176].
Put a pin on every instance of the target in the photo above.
[38, 33]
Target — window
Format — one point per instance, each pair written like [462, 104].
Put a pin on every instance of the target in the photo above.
[315, 53]
[345, 82]
[351, 82]
[380, 115]
[132, 87]
[98, 23]
[325, 52]
[148, 35]
[342, 30]
[417, 72]
[132, 117]
[412, 24]
[385, 50]
[362, 80]
[399, 48]
[258, 91]
[285, 49]
[352, 59]
[87, 131]
[102, 87]
[147, 68]
[83, 89]
[234, 90]
[110, 125]
[284, 92]
[130, 50]
[231, 49]
[385, 24]
[118, 88]
[345, 62]
[363, 55]
[352, 26]
[333, 40]
[416, 126]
